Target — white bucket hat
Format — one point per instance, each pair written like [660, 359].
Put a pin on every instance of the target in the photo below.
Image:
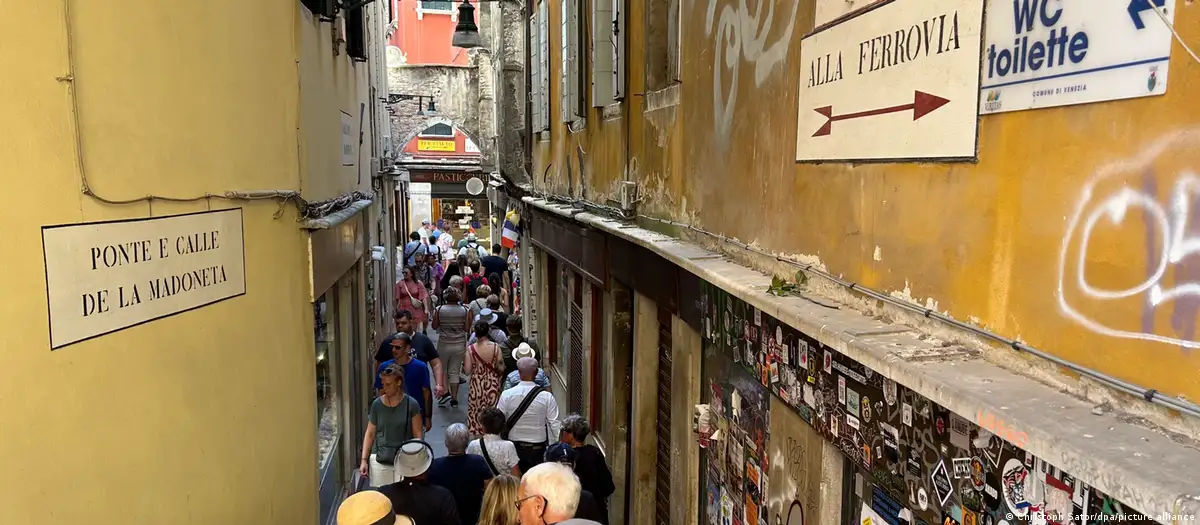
[523, 350]
[487, 315]
[413, 458]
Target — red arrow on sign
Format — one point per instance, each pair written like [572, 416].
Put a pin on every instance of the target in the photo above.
[922, 104]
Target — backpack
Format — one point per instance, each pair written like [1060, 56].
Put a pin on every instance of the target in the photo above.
[471, 284]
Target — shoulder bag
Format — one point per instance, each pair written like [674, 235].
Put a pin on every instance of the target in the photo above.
[516, 415]
[487, 457]
[420, 305]
[387, 455]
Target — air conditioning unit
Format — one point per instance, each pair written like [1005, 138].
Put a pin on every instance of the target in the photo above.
[627, 195]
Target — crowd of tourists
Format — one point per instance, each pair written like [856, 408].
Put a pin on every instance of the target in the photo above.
[514, 462]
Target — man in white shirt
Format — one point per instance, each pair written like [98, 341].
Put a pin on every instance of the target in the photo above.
[537, 426]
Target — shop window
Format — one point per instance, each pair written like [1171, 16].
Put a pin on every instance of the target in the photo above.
[325, 326]
[328, 417]
[460, 216]
[438, 130]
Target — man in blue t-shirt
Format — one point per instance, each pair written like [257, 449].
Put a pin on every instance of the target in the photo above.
[415, 247]
[416, 376]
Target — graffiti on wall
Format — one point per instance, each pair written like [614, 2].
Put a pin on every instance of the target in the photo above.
[1123, 200]
[744, 33]
[917, 462]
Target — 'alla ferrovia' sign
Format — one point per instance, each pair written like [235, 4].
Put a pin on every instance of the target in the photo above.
[107, 276]
[899, 80]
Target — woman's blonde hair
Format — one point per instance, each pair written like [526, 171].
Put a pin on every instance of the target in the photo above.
[498, 501]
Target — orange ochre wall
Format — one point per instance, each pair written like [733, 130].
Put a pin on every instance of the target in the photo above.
[988, 242]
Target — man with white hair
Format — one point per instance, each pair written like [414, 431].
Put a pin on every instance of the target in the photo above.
[464, 475]
[532, 416]
[549, 494]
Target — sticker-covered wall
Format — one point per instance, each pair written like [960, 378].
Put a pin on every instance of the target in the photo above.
[917, 463]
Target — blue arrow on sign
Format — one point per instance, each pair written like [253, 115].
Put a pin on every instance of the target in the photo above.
[1137, 6]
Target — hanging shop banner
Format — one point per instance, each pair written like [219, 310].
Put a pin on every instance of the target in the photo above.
[107, 276]
[435, 145]
[898, 81]
[1043, 53]
[916, 463]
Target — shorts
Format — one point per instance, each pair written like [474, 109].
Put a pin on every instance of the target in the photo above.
[453, 361]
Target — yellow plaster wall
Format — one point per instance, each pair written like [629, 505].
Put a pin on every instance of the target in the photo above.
[329, 85]
[201, 418]
[982, 241]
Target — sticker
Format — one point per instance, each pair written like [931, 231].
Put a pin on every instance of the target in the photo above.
[960, 432]
[906, 414]
[866, 455]
[819, 397]
[828, 362]
[714, 503]
[841, 390]
[962, 468]
[940, 426]
[751, 511]
[866, 409]
[942, 486]
[905, 516]
[977, 474]
[779, 334]
[852, 421]
[809, 399]
[869, 517]
[852, 402]
[993, 450]
[949, 520]
[891, 442]
[833, 427]
[802, 354]
[1013, 487]
[914, 466]
[757, 317]
[889, 392]
[858, 486]
[991, 491]
[922, 499]
[726, 509]
[774, 370]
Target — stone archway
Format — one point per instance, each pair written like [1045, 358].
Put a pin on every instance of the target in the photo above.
[419, 126]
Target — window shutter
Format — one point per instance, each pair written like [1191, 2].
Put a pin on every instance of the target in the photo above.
[602, 53]
[577, 73]
[544, 57]
[535, 75]
[674, 40]
[565, 88]
[618, 38]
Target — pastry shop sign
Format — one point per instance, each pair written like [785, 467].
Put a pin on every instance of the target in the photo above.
[107, 276]
[452, 177]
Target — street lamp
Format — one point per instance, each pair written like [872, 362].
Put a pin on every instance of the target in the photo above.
[466, 34]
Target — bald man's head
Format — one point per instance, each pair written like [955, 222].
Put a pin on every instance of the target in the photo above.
[527, 367]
